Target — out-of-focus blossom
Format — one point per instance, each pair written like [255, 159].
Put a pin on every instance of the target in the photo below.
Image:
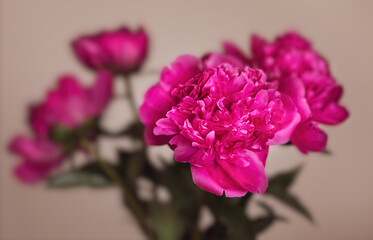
[304, 75]
[120, 51]
[39, 157]
[220, 119]
[70, 104]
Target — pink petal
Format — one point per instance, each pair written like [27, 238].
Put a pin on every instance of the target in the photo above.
[258, 46]
[214, 179]
[234, 180]
[166, 126]
[213, 60]
[40, 119]
[33, 173]
[251, 178]
[152, 139]
[38, 151]
[119, 50]
[244, 157]
[294, 39]
[69, 85]
[102, 91]
[181, 70]
[185, 152]
[70, 103]
[294, 88]
[88, 50]
[231, 187]
[261, 99]
[203, 180]
[288, 123]
[156, 104]
[332, 114]
[29, 174]
[308, 137]
[232, 50]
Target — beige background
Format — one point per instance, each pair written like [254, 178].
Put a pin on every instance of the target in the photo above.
[34, 50]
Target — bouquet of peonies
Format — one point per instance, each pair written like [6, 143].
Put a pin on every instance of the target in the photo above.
[219, 114]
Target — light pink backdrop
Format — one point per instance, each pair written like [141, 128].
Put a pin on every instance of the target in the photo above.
[34, 50]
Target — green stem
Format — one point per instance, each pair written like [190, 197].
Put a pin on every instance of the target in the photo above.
[196, 234]
[72, 163]
[130, 96]
[134, 109]
[131, 201]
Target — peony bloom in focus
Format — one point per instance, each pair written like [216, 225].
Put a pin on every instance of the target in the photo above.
[304, 75]
[69, 106]
[120, 51]
[220, 118]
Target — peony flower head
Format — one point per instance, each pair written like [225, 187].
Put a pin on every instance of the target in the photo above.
[70, 104]
[303, 74]
[220, 119]
[121, 50]
[60, 121]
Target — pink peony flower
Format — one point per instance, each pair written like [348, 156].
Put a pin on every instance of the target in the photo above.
[220, 119]
[304, 75]
[120, 50]
[39, 157]
[70, 105]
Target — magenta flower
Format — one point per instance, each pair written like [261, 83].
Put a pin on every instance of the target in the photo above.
[70, 105]
[39, 157]
[220, 119]
[304, 75]
[121, 50]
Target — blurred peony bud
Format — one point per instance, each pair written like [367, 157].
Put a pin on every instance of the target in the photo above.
[120, 51]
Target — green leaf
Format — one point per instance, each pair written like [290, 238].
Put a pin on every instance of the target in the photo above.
[216, 232]
[262, 223]
[65, 180]
[90, 175]
[229, 213]
[98, 181]
[278, 186]
[327, 152]
[295, 204]
[287, 144]
[169, 224]
[281, 182]
[95, 175]
[132, 165]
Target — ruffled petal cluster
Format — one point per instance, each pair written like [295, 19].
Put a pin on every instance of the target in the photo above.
[221, 118]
